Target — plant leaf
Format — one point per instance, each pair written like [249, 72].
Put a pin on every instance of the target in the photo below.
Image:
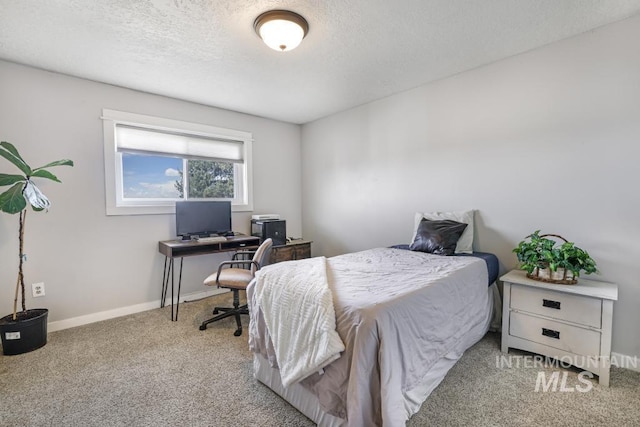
[12, 149]
[12, 201]
[45, 174]
[6, 179]
[10, 153]
[64, 162]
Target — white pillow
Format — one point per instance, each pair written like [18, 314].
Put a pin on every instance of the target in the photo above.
[465, 242]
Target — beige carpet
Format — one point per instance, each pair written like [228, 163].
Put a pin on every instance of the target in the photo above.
[144, 370]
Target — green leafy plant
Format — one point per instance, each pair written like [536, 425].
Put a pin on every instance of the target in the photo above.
[540, 252]
[23, 192]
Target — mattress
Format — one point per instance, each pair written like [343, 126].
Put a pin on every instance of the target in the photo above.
[405, 318]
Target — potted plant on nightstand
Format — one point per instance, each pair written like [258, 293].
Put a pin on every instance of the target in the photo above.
[543, 260]
[26, 330]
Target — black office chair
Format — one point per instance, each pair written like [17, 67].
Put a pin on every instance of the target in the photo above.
[237, 279]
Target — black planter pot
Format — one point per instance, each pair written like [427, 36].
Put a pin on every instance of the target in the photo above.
[27, 333]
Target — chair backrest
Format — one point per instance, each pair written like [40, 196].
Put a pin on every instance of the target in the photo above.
[262, 255]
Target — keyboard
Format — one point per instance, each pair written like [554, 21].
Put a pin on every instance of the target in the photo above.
[215, 239]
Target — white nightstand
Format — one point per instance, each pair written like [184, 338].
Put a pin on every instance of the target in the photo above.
[565, 322]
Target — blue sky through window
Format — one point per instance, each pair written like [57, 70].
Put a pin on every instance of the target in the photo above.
[147, 176]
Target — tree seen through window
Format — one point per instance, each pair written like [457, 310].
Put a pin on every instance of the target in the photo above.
[207, 179]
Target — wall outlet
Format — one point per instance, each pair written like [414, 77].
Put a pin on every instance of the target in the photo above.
[37, 289]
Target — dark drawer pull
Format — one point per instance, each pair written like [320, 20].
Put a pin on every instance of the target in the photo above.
[551, 304]
[551, 333]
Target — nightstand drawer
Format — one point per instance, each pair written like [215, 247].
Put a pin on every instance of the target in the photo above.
[555, 334]
[558, 305]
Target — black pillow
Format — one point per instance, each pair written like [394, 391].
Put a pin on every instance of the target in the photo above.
[437, 237]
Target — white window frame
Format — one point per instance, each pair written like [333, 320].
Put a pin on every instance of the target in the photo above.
[116, 205]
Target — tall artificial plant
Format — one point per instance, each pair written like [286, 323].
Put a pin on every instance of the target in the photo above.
[23, 191]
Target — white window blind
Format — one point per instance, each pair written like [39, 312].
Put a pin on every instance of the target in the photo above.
[141, 140]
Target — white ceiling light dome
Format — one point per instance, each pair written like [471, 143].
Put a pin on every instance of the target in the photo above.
[281, 30]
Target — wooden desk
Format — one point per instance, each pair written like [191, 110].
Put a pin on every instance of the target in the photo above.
[172, 249]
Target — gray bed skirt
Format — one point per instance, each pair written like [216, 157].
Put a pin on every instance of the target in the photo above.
[307, 403]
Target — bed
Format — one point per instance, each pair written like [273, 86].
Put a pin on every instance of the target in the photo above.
[405, 318]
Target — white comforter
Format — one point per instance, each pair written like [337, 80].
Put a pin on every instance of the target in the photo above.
[299, 316]
[399, 313]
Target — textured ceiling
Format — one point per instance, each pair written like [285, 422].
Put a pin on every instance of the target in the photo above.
[356, 51]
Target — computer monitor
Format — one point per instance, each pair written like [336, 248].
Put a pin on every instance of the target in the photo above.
[203, 218]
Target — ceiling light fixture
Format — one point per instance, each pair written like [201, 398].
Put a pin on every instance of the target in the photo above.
[281, 30]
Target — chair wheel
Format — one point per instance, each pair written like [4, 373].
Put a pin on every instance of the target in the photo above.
[203, 327]
[238, 332]
[215, 311]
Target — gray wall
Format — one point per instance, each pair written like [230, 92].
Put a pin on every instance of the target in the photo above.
[548, 140]
[91, 262]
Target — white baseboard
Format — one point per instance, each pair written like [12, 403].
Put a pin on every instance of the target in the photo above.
[623, 361]
[123, 311]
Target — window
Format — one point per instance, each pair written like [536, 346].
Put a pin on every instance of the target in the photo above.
[150, 163]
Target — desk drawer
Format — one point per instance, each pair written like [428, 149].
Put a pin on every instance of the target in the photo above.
[555, 334]
[558, 305]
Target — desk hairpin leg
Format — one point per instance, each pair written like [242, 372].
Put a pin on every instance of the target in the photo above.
[172, 289]
[166, 275]
[165, 283]
[179, 286]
